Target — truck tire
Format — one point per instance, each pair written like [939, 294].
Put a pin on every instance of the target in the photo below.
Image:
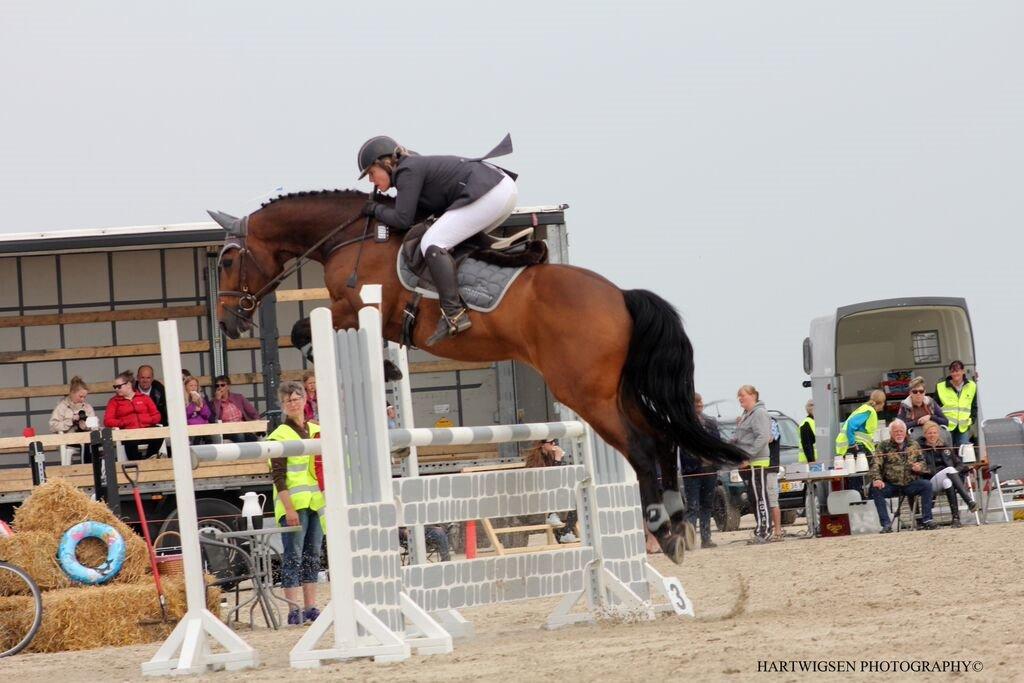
[789, 517]
[726, 514]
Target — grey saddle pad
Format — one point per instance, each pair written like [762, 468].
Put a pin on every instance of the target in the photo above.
[482, 285]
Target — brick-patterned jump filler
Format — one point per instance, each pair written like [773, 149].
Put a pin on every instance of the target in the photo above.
[379, 608]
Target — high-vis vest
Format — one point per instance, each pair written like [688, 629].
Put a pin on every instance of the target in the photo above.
[300, 477]
[865, 439]
[957, 408]
[803, 456]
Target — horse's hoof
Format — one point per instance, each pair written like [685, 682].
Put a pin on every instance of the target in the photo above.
[689, 536]
[674, 547]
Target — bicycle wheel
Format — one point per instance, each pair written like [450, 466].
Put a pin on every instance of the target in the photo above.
[19, 636]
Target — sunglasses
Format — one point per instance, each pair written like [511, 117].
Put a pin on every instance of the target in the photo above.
[118, 386]
[553, 442]
[917, 391]
[222, 384]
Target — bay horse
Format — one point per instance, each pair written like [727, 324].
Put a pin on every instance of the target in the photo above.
[619, 358]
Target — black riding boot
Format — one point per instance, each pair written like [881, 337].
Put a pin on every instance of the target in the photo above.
[958, 485]
[954, 509]
[454, 316]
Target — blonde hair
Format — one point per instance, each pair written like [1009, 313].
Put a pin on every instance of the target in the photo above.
[77, 383]
[749, 389]
[917, 382]
[307, 374]
[877, 399]
[929, 425]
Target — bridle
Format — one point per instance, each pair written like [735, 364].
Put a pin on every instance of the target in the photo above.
[249, 301]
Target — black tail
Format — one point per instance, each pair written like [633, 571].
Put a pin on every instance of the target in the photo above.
[658, 378]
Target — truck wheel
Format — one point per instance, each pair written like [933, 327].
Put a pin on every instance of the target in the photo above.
[789, 517]
[727, 515]
[213, 513]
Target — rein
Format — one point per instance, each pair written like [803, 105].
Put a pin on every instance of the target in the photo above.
[248, 301]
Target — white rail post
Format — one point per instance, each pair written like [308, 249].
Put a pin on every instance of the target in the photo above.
[189, 639]
[404, 400]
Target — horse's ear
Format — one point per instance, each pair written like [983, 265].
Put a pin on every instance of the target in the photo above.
[233, 226]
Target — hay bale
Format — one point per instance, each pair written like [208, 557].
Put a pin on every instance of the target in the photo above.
[42, 519]
[86, 617]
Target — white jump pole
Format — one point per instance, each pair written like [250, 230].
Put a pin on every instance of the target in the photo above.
[187, 650]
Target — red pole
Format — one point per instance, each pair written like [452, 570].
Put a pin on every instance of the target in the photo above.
[471, 540]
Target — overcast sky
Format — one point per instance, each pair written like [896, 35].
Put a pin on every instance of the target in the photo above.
[758, 164]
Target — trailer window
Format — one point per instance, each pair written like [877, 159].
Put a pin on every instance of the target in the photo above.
[808, 363]
[926, 347]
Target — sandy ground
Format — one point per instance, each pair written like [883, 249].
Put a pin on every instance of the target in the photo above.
[941, 595]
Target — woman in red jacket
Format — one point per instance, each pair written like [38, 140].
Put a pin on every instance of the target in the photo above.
[130, 410]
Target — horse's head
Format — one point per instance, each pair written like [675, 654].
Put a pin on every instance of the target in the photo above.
[246, 269]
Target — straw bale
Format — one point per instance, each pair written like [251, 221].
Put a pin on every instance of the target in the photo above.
[86, 617]
[42, 519]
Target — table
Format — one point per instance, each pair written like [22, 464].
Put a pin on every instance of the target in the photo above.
[260, 555]
[811, 506]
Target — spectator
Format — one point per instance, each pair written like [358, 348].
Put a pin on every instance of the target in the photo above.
[918, 409]
[185, 374]
[309, 383]
[197, 408]
[548, 453]
[774, 458]
[67, 415]
[857, 433]
[808, 439]
[227, 406]
[959, 398]
[895, 471]
[699, 480]
[392, 414]
[131, 410]
[435, 537]
[71, 412]
[298, 501]
[752, 433]
[943, 464]
[147, 386]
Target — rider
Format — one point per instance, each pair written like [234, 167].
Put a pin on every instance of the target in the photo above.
[467, 196]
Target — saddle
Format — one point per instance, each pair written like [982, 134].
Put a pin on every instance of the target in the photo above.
[517, 250]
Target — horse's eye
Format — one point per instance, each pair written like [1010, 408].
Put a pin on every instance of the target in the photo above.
[225, 264]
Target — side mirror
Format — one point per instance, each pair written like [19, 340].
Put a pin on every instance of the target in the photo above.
[806, 384]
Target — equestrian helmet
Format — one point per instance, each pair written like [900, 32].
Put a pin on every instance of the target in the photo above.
[373, 149]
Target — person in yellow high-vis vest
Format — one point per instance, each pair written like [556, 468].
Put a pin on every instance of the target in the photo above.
[959, 398]
[857, 432]
[298, 501]
[808, 447]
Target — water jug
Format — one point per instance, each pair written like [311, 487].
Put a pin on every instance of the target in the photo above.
[252, 506]
[862, 463]
[967, 453]
[851, 464]
[838, 464]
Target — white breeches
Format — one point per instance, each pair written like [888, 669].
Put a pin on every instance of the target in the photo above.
[458, 225]
[940, 480]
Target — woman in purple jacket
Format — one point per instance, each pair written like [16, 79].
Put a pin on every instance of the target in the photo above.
[197, 408]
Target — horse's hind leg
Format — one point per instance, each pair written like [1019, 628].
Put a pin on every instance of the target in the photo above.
[671, 498]
[664, 511]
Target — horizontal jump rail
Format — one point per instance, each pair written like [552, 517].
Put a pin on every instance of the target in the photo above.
[461, 436]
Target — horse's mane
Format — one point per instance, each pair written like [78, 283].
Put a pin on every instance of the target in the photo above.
[341, 194]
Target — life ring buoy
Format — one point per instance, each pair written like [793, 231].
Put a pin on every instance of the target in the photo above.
[78, 572]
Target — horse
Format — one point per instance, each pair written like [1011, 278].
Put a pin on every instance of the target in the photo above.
[619, 358]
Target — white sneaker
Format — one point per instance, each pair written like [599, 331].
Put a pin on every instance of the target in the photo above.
[568, 537]
[554, 519]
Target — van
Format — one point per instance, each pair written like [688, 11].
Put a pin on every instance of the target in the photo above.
[881, 345]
